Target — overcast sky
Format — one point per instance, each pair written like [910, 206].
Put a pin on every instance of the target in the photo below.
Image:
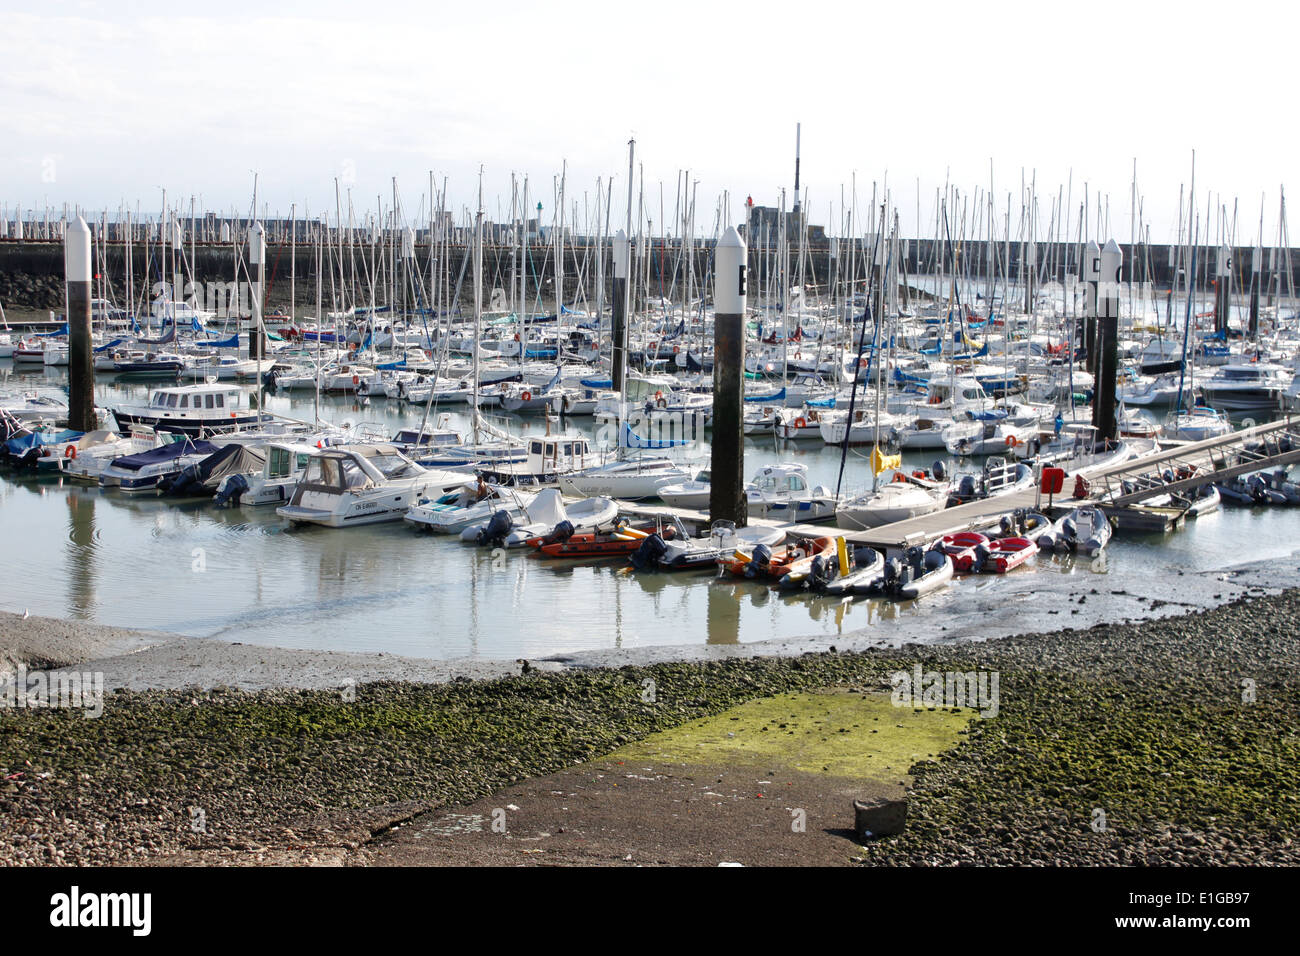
[106, 103]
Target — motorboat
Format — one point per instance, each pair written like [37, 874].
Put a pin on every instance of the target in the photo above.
[197, 410]
[546, 516]
[141, 472]
[472, 505]
[283, 468]
[1084, 529]
[1004, 554]
[1248, 387]
[684, 553]
[962, 548]
[863, 578]
[348, 485]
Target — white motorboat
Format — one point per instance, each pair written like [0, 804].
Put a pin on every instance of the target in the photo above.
[141, 472]
[285, 464]
[1085, 530]
[352, 485]
[1248, 387]
[473, 504]
[546, 515]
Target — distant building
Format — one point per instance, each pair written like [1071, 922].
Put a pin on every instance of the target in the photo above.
[763, 227]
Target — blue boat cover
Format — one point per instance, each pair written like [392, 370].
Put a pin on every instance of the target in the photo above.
[164, 453]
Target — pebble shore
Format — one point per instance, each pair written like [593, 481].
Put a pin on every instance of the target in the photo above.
[1180, 731]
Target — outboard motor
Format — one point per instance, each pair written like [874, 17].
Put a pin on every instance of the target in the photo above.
[561, 532]
[939, 470]
[497, 529]
[181, 483]
[761, 559]
[822, 570]
[966, 488]
[893, 568]
[649, 551]
[1071, 533]
[232, 488]
[1007, 524]
[982, 553]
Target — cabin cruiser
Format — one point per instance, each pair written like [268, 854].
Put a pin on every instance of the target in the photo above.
[349, 485]
[190, 409]
[547, 461]
[285, 464]
[1248, 387]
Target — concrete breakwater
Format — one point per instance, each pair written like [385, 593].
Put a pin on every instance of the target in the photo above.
[31, 272]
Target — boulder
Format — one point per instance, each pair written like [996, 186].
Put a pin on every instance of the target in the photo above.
[879, 817]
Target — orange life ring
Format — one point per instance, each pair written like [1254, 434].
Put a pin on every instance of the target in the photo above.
[70, 451]
[516, 336]
[676, 350]
[356, 379]
[801, 422]
[527, 396]
[1012, 441]
[661, 402]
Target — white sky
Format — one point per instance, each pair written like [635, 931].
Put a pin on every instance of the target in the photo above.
[104, 103]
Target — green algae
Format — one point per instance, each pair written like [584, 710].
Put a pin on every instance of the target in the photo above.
[833, 731]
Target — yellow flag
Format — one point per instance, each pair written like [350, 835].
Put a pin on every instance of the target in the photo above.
[881, 462]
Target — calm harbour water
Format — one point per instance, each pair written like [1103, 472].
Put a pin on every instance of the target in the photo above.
[69, 550]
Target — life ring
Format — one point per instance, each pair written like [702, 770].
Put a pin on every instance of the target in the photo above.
[516, 336]
[356, 379]
[676, 349]
[801, 422]
[1012, 441]
[798, 355]
[658, 396]
[70, 451]
[527, 396]
[661, 402]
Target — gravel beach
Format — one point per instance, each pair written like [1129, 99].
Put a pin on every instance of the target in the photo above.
[1168, 741]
